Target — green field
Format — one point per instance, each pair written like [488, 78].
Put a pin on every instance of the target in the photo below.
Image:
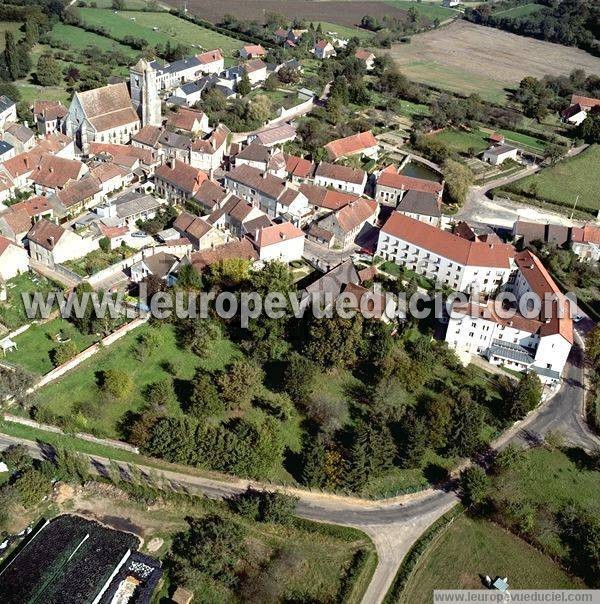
[81, 39]
[520, 11]
[469, 548]
[563, 182]
[343, 31]
[430, 10]
[35, 344]
[170, 29]
[79, 386]
[461, 140]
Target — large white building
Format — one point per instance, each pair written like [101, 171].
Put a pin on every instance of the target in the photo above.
[450, 260]
[540, 343]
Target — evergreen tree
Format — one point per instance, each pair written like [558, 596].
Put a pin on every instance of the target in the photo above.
[313, 461]
[414, 445]
[244, 86]
[11, 55]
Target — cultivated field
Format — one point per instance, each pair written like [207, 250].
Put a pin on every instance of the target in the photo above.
[469, 58]
[344, 12]
[470, 548]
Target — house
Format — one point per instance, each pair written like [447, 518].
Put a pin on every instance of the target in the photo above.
[252, 51]
[366, 57]
[176, 181]
[332, 283]
[265, 159]
[362, 143]
[54, 173]
[294, 36]
[422, 206]
[451, 3]
[36, 207]
[211, 61]
[19, 136]
[7, 187]
[49, 116]
[112, 177]
[274, 135]
[79, 195]
[14, 259]
[299, 170]
[585, 242]
[500, 153]
[147, 137]
[579, 108]
[322, 199]
[161, 265]
[323, 49]
[175, 146]
[444, 257]
[239, 216]
[242, 249]
[192, 121]
[210, 196]
[198, 231]
[319, 235]
[128, 209]
[476, 231]
[51, 244]
[539, 343]
[7, 151]
[187, 94]
[103, 115]
[256, 70]
[21, 166]
[8, 111]
[126, 156]
[116, 236]
[283, 242]
[207, 153]
[496, 139]
[58, 144]
[267, 192]
[351, 180]
[346, 223]
[391, 186]
[15, 222]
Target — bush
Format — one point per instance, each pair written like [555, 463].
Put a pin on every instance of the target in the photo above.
[116, 382]
[32, 486]
[63, 353]
[265, 506]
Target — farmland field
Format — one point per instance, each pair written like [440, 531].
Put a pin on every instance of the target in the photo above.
[520, 11]
[462, 141]
[342, 12]
[431, 10]
[81, 39]
[563, 182]
[469, 58]
[170, 29]
[469, 548]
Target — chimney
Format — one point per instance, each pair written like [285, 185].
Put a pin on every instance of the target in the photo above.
[264, 175]
[51, 240]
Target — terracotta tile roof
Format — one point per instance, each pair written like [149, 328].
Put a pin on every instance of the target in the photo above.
[390, 178]
[260, 222]
[79, 191]
[234, 249]
[17, 219]
[363, 55]
[255, 49]
[21, 132]
[335, 280]
[356, 213]
[298, 166]
[319, 232]
[23, 163]
[210, 194]
[322, 44]
[584, 101]
[53, 143]
[216, 139]
[375, 303]
[261, 181]
[5, 244]
[448, 245]
[55, 172]
[192, 225]
[326, 198]
[255, 152]
[45, 233]
[254, 65]
[342, 173]
[148, 135]
[496, 138]
[367, 274]
[34, 206]
[6, 182]
[106, 171]
[185, 119]
[462, 229]
[111, 232]
[277, 233]
[117, 152]
[49, 110]
[535, 273]
[183, 176]
[238, 209]
[108, 107]
[276, 134]
[350, 145]
[591, 233]
[209, 57]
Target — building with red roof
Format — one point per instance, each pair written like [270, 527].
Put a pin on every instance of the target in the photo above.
[362, 143]
[392, 186]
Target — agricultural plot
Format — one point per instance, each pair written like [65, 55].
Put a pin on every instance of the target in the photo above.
[430, 10]
[497, 60]
[158, 28]
[520, 11]
[342, 12]
[563, 182]
[81, 39]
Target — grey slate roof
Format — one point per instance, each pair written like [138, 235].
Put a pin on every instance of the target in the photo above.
[511, 351]
[5, 102]
[419, 202]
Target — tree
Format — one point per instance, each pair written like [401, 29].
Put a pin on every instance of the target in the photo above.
[526, 396]
[239, 383]
[199, 335]
[118, 4]
[589, 129]
[63, 352]
[70, 465]
[466, 426]
[265, 506]
[271, 83]
[298, 375]
[32, 33]
[17, 458]
[212, 546]
[188, 278]
[334, 342]
[11, 55]
[116, 382]
[414, 445]
[474, 485]
[553, 152]
[244, 87]
[160, 394]
[458, 179]
[260, 108]
[32, 486]
[592, 346]
[507, 459]
[204, 398]
[48, 71]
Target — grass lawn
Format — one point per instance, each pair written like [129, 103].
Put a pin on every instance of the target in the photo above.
[469, 548]
[35, 344]
[79, 386]
[431, 10]
[410, 109]
[519, 11]
[343, 31]
[81, 39]
[98, 260]
[563, 182]
[170, 29]
[12, 312]
[461, 140]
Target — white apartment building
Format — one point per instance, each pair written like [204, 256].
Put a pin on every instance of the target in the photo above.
[446, 258]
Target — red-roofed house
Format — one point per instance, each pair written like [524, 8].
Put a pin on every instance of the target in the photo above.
[363, 143]
[366, 57]
[343, 178]
[211, 61]
[207, 153]
[54, 173]
[324, 50]
[392, 186]
[585, 242]
[252, 51]
[326, 199]
[14, 259]
[201, 234]
[345, 224]
[189, 120]
[444, 257]
[176, 181]
[283, 242]
[299, 169]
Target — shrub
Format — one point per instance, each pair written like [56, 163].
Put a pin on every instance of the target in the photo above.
[63, 353]
[116, 382]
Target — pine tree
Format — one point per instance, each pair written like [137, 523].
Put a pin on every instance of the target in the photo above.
[10, 55]
[32, 33]
[313, 457]
[244, 86]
